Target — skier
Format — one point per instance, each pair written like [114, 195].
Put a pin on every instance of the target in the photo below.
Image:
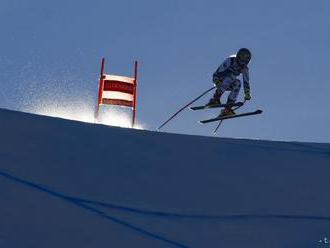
[225, 79]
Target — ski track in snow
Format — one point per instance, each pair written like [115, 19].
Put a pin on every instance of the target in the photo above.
[155, 212]
[85, 204]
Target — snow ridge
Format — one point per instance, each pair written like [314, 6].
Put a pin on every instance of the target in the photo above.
[72, 184]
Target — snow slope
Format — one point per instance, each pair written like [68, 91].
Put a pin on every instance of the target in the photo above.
[72, 184]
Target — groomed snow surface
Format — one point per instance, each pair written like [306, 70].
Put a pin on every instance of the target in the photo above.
[71, 184]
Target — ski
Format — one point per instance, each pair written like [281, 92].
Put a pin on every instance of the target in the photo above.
[220, 118]
[207, 106]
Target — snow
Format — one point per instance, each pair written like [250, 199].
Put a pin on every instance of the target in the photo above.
[67, 183]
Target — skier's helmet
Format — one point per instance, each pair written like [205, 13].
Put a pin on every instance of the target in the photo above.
[244, 56]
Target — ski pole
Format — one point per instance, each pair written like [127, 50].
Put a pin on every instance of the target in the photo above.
[216, 129]
[176, 113]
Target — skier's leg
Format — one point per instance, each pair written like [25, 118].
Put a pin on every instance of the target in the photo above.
[225, 84]
[217, 94]
[235, 88]
[222, 86]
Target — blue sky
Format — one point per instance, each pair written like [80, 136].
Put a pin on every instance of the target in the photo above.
[53, 49]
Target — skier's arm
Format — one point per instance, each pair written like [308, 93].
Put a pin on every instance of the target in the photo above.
[217, 75]
[224, 66]
[246, 83]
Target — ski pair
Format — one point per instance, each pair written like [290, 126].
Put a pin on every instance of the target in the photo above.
[219, 118]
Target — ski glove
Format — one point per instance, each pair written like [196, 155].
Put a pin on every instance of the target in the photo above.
[217, 81]
[247, 96]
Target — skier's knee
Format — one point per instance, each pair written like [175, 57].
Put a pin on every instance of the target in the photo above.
[217, 81]
[237, 83]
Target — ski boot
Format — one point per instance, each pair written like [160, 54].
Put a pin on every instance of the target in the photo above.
[228, 109]
[215, 100]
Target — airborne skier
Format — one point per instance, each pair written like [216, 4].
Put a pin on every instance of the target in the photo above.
[225, 79]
